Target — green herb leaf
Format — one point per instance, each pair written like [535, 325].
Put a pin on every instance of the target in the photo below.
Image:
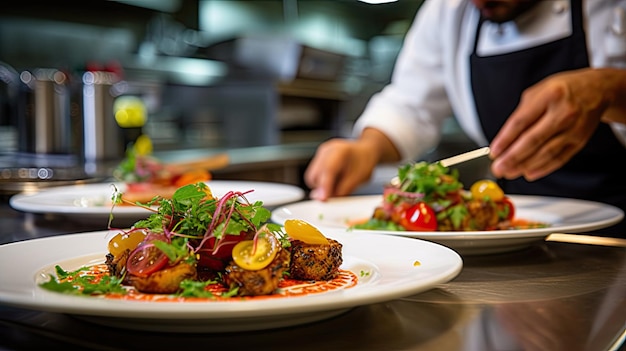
[193, 288]
[77, 284]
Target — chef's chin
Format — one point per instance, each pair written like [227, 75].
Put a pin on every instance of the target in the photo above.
[501, 11]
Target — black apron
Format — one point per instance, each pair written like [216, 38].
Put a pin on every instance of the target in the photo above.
[497, 83]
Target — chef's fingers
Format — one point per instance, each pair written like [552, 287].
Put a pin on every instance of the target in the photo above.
[512, 161]
[548, 144]
[548, 160]
[551, 156]
[326, 168]
[547, 111]
[531, 108]
[545, 144]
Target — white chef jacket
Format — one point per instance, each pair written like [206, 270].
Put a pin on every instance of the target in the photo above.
[431, 78]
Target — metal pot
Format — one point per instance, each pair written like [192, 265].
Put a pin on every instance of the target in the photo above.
[103, 137]
[43, 116]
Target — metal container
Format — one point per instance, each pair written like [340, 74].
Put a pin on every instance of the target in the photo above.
[44, 112]
[103, 137]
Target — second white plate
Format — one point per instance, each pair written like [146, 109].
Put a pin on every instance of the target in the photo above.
[89, 202]
[564, 216]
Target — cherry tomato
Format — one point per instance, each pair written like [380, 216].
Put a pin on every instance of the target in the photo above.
[487, 189]
[419, 217]
[146, 261]
[253, 256]
[298, 229]
[123, 241]
[218, 261]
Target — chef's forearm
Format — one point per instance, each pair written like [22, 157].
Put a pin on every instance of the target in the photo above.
[615, 80]
[381, 146]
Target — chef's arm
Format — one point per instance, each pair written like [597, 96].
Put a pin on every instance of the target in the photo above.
[382, 148]
[614, 80]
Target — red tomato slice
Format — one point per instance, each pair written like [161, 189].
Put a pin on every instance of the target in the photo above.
[146, 261]
[419, 217]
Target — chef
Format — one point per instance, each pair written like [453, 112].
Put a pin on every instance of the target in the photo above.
[543, 83]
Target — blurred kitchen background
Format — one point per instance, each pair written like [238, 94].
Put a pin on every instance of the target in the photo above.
[189, 74]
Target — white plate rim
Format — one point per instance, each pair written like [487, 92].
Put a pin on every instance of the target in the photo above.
[59, 200]
[394, 276]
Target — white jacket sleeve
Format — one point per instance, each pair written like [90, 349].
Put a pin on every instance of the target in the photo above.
[412, 108]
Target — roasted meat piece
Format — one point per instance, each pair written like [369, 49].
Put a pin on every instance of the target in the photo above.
[262, 282]
[165, 281]
[314, 261]
[482, 215]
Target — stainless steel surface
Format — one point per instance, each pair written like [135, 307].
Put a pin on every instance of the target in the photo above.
[11, 187]
[28, 172]
[567, 293]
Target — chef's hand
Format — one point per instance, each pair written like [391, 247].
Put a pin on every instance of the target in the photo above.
[339, 166]
[554, 120]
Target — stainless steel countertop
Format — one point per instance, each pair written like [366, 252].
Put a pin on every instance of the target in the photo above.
[565, 293]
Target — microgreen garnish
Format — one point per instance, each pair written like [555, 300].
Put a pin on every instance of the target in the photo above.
[432, 180]
[193, 288]
[189, 223]
[431, 183]
[78, 283]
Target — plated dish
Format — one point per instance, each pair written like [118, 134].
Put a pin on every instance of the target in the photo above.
[93, 201]
[405, 267]
[563, 215]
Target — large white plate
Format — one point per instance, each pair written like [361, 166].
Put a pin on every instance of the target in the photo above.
[563, 215]
[93, 201]
[386, 267]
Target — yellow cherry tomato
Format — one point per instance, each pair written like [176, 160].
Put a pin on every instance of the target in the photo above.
[487, 189]
[122, 241]
[252, 258]
[301, 230]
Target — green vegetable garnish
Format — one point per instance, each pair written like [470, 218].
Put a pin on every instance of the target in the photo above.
[191, 223]
[76, 283]
[432, 180]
